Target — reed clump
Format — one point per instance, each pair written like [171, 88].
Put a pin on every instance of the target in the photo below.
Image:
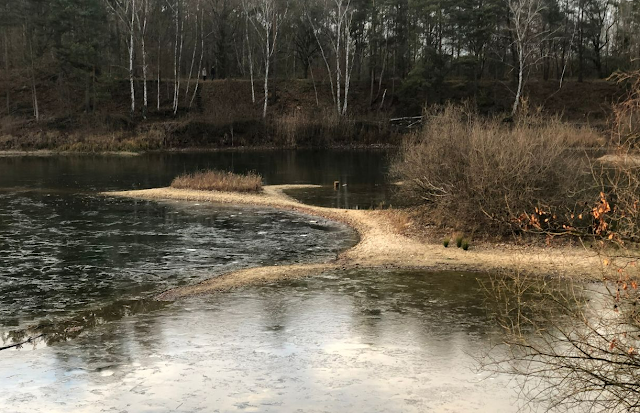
[213, 180]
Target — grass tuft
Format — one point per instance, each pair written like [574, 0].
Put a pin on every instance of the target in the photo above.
[445, 242]
[219, 181]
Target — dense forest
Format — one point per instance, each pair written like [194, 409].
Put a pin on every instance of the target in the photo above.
[81, 55]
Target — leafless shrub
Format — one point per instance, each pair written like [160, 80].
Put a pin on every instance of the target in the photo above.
[574, 346]
[627, 113]
[484, 172]
[219, 181]
[302, 128]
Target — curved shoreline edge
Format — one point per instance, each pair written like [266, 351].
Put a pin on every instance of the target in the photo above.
[380, 245]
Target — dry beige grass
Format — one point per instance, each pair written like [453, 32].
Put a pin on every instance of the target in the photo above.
[219, 181]
[481, 172]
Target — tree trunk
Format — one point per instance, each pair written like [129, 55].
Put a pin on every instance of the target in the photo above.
[195, 91]
[521, 63]
[315, 90]
[267, 59]
[131, 44]
[34, 91]
[158, 94]
[144, 60]
[581, 45]
[175, 58]
[347, 70]
[246, 33]
[6, 67]
[193, 57]
[338, 46]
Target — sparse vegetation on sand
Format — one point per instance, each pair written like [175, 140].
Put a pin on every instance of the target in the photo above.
[213, 180]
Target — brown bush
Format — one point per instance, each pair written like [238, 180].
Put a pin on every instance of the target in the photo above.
[479, 172]
[298, 128]
[574, 346]
[324, 127]
[626, 122]
[219, 181]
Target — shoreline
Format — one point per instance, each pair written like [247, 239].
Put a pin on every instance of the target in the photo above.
[380, 245]
[11, 153]
[44, 153]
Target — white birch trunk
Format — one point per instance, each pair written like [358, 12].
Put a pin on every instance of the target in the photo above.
[131, 54]
[6, 67]
[36, 110]
[158, 94]
[195, 91]
[326, 61]
[193, 55]
[34, 91]
[347, 68]
[349, 58]
[175, 110]
[145, 103]
[175, 59]
[313, 79]
[267, 60]
[269, 19]
[524, 14]
[338, 53]
[521, 63]
[246, 32]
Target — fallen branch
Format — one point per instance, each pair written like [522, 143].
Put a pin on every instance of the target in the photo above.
[29, 340]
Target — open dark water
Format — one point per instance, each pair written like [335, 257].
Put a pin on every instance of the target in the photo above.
[82, 268]
[362, 174]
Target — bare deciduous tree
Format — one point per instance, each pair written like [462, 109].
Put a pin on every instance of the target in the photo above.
[193, 55]
[245, 9]
[575, 346]
[126, 12]
[142, 28]
[268, 17]
[195, 91]
[177, 8]
[525, 19]
[337, 29]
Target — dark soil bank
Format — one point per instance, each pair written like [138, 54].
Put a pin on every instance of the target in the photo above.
[301, 114]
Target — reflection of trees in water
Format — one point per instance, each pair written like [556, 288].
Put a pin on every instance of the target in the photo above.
[572, 346]
[274, 312]
[85, 323]
[106, 341]
[438, 307]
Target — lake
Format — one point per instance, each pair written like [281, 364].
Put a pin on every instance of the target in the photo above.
[84, 268]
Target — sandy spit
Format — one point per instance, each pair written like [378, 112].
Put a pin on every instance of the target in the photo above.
[380, 245]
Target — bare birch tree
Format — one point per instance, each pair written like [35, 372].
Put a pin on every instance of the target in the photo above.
[338, 31]
[193, 55]
[195, 91]
[525, 18]
[177, 50]
[267, 19]
[34, 90]
[131, 56]
[245, 9]
[126, 12]
[158, 74]
[142, 28]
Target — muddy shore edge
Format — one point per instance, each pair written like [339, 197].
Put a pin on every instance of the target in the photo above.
[380, 245]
